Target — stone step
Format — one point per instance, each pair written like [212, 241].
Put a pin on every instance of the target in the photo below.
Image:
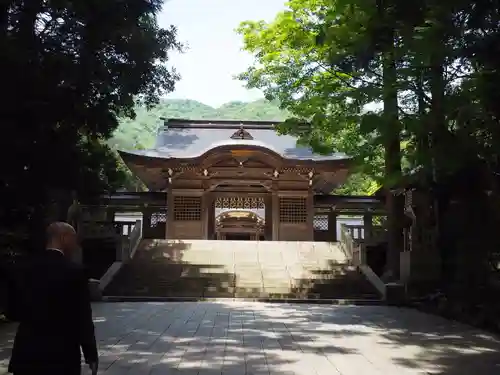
[239, 269]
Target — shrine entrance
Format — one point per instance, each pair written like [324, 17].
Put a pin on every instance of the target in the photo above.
[239, 218]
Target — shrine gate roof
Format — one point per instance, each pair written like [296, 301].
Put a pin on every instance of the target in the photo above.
[183, 139]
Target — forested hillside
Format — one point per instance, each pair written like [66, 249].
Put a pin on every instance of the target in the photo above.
[140, 132]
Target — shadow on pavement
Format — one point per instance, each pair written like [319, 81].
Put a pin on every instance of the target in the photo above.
[252, 338]
[209, 338]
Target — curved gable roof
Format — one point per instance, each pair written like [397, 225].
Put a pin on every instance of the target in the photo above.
[194, 139]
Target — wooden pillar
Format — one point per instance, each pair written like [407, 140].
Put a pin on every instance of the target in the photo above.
[368, 224]
[146, 221]
[211, 216]
[275, 216]
[268, 225]
[170, 215]
[332, 226]
[205, 209]
[310, 216]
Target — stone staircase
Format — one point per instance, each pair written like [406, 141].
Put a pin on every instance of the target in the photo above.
[240, 269]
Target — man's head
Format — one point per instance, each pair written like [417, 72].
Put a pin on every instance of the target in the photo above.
[62, 236]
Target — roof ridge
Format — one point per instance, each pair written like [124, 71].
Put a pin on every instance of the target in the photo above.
[173, 123]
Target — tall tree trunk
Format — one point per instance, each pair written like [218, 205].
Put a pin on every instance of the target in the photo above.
[437, 116]
[439, 139]
[422, 134]
[395, 204]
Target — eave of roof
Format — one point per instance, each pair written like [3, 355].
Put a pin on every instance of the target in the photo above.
[159, 155]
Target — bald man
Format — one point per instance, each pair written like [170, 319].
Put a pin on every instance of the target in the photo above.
[52, 305]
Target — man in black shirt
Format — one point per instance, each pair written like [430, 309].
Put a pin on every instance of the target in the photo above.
[50, 299]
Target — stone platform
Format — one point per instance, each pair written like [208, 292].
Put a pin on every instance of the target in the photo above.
[203, 338]
[241, 269]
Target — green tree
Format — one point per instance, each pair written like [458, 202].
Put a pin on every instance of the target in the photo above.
[324, 68]
[70, 70]
[427, 65]
[302, 67]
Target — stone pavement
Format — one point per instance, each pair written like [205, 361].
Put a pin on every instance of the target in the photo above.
[213, 338]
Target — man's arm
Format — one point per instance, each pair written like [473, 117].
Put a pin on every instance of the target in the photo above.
[85, 324]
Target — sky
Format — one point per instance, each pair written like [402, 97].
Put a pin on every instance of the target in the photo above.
[214, 54]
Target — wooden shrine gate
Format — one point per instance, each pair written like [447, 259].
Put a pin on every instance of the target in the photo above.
[239, 215]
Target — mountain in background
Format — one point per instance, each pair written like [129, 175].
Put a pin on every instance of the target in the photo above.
[140, 133]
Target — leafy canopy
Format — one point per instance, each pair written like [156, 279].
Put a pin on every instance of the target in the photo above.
[70, 70]
[315, 82]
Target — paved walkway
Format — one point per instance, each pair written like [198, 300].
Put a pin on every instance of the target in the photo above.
[254, 338]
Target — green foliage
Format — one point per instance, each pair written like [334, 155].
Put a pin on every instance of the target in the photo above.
[366, 76]
[401, 86]
[314, 83]
[70, 70]
[358, 184]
